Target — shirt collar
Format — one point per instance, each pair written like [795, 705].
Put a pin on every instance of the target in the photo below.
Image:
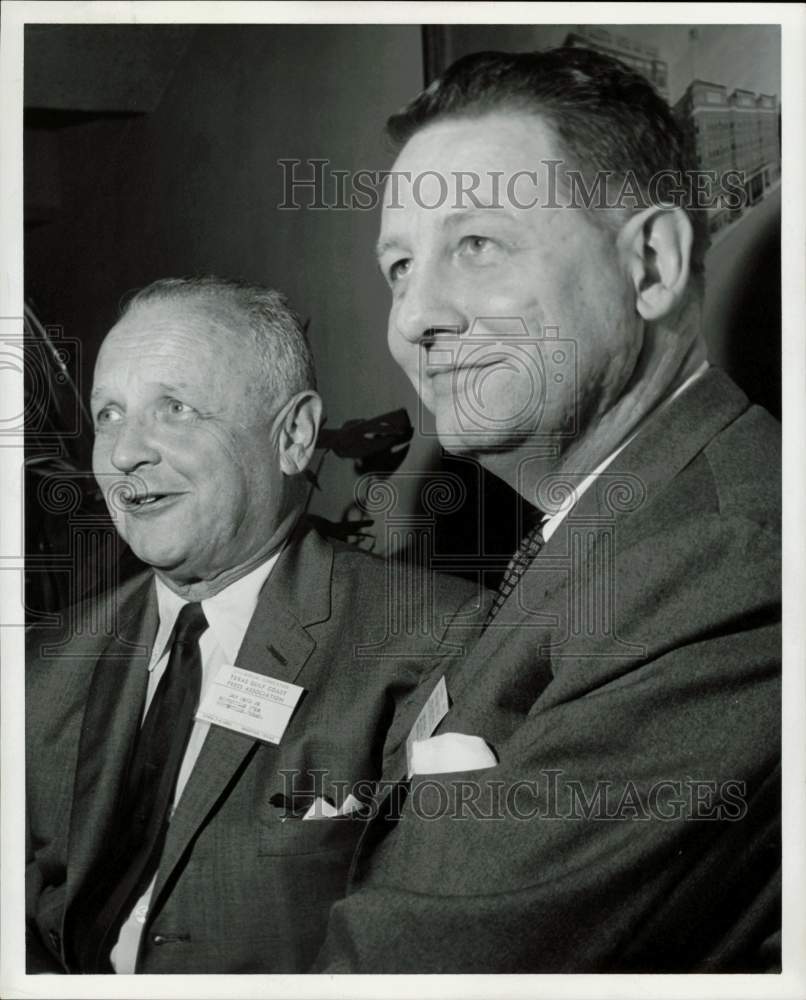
[552, 521]
[228, 612]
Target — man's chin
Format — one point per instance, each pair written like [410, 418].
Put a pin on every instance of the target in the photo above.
[165, 558]
[472, 441]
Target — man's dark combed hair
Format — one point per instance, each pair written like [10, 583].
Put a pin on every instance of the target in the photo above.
[606, 116]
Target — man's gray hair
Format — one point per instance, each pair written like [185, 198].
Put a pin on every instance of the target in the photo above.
[276, 330]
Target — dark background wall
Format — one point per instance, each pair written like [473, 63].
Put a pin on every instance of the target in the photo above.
[152, 151]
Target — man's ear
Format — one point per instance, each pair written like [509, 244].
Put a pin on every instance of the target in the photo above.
[299, 426]
[656, 245]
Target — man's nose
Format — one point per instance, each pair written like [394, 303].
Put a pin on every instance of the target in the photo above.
[134, 447]
[430, 305]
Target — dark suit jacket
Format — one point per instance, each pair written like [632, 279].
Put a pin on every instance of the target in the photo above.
[238, 890]
[633, 679]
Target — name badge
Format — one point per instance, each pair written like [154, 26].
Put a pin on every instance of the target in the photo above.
[431, 714]
[249, 703]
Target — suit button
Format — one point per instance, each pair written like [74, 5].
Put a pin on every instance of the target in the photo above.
[159, 939]
[54, 939]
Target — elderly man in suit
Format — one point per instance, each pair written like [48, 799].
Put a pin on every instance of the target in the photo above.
[250, 675]
[602, 791]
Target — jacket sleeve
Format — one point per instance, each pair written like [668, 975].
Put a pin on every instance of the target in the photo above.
[632, 822]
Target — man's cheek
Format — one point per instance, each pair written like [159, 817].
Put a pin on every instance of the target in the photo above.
[399, 354]
[106, 478]
[100, 457]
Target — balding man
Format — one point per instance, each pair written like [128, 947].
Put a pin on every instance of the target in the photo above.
[251, 677]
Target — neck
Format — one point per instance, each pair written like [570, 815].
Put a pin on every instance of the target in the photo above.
[199, 588]
[649, 387]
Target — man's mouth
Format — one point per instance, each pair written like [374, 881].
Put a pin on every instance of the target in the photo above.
[463, 370]
[145, 502]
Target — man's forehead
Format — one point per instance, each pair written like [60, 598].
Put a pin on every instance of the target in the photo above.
[178, 343]
[172, 324]
[468, 142]
[126, 363]
[467, 163]
[179, 314]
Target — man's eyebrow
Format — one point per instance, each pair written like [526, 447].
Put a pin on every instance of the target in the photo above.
[451, 220]
[173, 387]
[179, 386]
[459, 215]
[383, 246]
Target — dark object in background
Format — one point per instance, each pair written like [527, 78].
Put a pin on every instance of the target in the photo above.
[377, 445]
[71, 545]
[753, 343]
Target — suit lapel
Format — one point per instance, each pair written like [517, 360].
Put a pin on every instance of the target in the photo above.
[668, 442]
[461, 672]
[484, 686]
[664, 447]
[276, 644]
[112, 715]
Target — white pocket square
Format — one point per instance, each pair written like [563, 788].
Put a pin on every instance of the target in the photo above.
[450, 752]
[322, 809]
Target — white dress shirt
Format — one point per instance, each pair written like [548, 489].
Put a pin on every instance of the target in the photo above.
[228, 615]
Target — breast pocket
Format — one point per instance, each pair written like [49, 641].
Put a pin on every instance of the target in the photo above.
[294, 836]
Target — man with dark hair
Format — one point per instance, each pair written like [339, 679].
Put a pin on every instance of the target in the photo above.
[182, 728]
[595, 788]
[612, 127]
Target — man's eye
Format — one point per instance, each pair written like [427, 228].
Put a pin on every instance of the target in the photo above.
[107, 416]
[476, 244]
[177, 408]
[399, 269]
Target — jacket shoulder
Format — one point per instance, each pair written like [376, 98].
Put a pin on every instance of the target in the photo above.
[82, 623]
[745, 464]
[395, 574]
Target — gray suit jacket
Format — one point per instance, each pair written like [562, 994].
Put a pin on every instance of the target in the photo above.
[238, 889]
[630, 688]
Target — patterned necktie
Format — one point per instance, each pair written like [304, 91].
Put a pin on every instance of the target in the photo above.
[531, 544]
[123, 872]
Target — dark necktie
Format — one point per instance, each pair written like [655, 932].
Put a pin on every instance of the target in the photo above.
[531, 544]
[122, 874]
